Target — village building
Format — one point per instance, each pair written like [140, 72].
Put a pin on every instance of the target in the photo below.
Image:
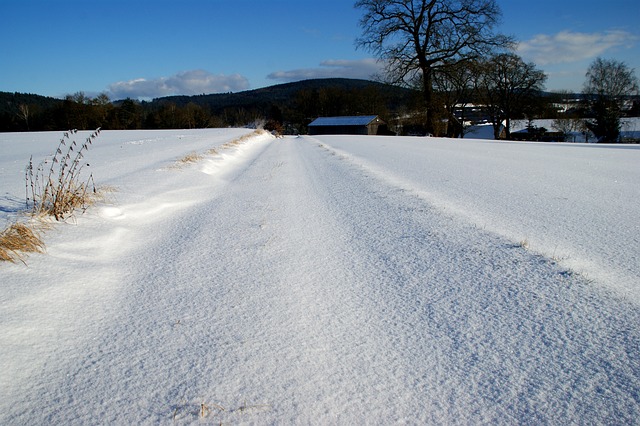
[353, 125]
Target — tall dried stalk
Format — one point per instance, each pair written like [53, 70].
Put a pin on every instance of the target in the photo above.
[55, 186]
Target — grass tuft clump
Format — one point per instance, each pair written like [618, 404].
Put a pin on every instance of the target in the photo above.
[56, 187]
[19, 238]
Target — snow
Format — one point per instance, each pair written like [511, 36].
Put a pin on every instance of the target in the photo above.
[328, 280]
[629, 128]
[577, 203]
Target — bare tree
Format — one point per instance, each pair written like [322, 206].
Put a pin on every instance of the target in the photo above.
[508, 87]
[567, 126]
[454, 86]
[608, 83]
[24, 112]
[418, 38]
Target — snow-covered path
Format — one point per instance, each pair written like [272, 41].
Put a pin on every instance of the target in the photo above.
[295, 287]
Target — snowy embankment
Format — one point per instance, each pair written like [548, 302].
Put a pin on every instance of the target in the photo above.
[337, 280]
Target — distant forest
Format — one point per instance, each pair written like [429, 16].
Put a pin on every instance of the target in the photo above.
[287, 108]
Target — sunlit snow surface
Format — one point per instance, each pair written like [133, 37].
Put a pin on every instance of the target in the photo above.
[330, 280]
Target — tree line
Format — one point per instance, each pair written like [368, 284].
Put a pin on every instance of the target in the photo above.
[498, 84]
[285, 108]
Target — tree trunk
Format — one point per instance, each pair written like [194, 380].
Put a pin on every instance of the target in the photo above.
[427, 93]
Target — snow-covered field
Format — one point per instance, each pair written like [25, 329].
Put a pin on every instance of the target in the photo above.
[328, 280]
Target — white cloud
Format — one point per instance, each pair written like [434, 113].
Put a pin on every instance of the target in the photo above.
[363, 69]
[193, 82]
[567, 46]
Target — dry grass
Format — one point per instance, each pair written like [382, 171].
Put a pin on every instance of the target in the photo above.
[17, 239]
[208, 409]
[205, 409]
[193, 157]
[190, 158]
[244, 138]
[56, 187]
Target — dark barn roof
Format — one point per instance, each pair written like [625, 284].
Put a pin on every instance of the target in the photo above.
[348, 125]
[362, 120]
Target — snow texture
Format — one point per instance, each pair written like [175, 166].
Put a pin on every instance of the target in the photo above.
[328, 280]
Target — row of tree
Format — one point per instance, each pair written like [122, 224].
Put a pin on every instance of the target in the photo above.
[286, 108]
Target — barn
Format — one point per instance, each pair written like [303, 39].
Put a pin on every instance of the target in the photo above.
[354, 125]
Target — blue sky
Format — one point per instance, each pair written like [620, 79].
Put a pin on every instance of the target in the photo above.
[146, 49]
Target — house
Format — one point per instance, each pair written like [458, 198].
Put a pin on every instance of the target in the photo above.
[354, 125]
[537, 134]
